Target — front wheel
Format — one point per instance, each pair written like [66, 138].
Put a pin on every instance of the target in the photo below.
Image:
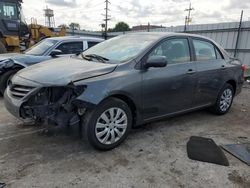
[108, 125]
[224, 100]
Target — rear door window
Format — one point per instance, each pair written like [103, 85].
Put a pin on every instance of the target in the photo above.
[71, 47]
[175, 50]
[204, 50]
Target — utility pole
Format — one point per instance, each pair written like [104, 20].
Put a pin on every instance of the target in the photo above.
[185, 26]
[188, 18]
[106, 19]
[238, 35]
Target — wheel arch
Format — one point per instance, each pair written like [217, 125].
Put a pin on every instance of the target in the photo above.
[129, 101]
[233, 84]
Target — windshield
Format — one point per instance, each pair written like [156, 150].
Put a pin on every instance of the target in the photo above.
[8, 10]
[122, 48]
[41, 47]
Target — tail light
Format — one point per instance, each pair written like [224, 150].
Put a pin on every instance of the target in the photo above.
[244, 67]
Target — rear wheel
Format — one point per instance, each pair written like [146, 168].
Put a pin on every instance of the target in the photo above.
[2, 48]
[108, 125]
[224, 100]
[5, 78]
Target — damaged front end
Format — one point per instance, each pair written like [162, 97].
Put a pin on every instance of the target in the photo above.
[58, 105]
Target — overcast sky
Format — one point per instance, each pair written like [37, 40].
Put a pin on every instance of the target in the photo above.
[88, 13]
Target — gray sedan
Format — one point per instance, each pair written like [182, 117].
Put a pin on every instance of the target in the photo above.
[125, 82]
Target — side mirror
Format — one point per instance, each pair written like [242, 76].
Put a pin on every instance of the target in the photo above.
[156, 61]
[55, 53]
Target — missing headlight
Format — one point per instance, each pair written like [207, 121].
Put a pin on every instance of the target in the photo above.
[54, 103]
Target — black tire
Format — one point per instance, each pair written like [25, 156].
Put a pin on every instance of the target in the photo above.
[2, 48]
[90, 123]
[216, 109]
[5, 78]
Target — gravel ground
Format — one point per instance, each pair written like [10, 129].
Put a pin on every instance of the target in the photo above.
[152, 156]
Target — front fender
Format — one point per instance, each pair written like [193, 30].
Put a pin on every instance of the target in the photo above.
[115, 84]
[94, 94]
[20, 64]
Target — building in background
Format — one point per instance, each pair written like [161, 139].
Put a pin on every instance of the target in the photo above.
[145, 27]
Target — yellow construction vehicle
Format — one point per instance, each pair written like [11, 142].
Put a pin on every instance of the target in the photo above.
[15, 34]
[39, 32]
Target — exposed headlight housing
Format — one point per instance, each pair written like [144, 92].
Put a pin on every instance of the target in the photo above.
[49, 101]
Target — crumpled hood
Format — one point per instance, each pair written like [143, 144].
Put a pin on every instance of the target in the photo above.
[23, 58]
[62, 71]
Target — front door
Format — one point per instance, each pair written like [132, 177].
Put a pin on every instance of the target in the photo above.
[169, 89]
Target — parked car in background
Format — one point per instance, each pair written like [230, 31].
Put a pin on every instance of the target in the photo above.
[47, 49]
[125, 82]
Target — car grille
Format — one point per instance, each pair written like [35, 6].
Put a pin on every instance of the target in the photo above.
[20, 91]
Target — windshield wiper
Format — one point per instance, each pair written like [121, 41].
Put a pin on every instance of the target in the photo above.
[86, 58]
[94, 56]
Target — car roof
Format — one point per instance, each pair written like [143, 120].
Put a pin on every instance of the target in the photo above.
[168, 34]
[77, 38]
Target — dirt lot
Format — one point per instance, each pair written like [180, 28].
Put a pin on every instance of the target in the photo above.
[152, 156]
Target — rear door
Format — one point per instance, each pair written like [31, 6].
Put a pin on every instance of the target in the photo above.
[169, 89]
[210, 64]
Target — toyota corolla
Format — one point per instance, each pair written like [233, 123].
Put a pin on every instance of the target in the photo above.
[125, 82]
